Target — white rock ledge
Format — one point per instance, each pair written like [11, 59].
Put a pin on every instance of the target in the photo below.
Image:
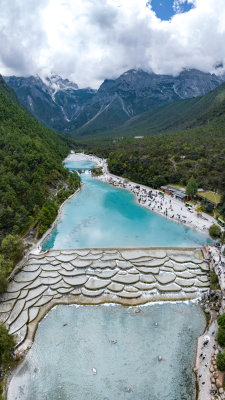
[96, 276]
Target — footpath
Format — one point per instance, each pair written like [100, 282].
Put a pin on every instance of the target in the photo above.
[210, 379]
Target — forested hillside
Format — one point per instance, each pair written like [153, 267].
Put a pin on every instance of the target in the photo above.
[170, 158]
[33, 181]
[173, 158]
[177, 115]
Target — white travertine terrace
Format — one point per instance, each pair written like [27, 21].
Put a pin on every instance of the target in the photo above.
[95, 276]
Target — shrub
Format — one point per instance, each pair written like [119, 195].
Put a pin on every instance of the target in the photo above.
[214, 278]
[47, 215]
[12, 247]
[220, 361]
[221, 320]
[214, 231]
[207, 207]
[6, 345]
[3, 282]
[221, 336]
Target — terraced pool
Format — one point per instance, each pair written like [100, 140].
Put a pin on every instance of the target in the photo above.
[108, 352]
[121, 345]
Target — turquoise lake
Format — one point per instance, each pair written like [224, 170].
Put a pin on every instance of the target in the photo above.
[79, 165]
[72, 341]
[101, 215]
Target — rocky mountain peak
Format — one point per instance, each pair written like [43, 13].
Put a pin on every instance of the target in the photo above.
[60, 104]
[57, 83]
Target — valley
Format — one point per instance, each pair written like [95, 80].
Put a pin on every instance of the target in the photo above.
[61, 105]
[107, 246]
[112, 200]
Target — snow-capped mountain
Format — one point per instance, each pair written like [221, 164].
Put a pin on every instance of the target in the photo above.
[55, 83]
[54, 101]
[61, 105]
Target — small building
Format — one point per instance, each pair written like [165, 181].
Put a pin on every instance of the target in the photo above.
[211, 197]
[177, 193]
[167, 189]
[181, 195]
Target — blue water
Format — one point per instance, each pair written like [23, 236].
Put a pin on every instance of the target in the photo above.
[79, 165]
[104, 216]
[71, 341]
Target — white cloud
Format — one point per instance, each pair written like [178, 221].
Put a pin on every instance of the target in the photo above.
[88, 40]
[178, 5]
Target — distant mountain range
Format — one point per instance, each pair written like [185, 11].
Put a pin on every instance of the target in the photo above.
[61, 105]
[55, 102]
[176, 116]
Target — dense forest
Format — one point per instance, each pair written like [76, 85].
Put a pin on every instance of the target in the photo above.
[179, 140]
[170, 158]
[33, 181]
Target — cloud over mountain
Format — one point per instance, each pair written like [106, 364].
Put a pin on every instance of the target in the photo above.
[88, 41]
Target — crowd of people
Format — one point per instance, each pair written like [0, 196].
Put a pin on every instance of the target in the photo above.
[163, 204]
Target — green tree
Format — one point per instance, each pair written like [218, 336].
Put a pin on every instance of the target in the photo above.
[6, 345]
[214, 231]
[3, 282]
[192, 187]
[220, 361]
[221, 320]
[222, 238]
[221, 336]
[222, 205]
[12, 247]
[46, 216]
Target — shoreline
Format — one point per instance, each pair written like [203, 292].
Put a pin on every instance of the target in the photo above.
[105, 177]
[135, 308]
[38, 249]
[201, 224]
[123, 183]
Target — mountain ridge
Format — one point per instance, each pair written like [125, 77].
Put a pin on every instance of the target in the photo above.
[175, 116]
[61, 105]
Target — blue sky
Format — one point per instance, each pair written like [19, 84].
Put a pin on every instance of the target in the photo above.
[166, 9]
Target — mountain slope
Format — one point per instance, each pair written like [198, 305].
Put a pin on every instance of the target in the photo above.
[177, 115]
[33, 181]
[59, 104]
[139, 91]
[31, 164]
[55, 102]
[170, 118]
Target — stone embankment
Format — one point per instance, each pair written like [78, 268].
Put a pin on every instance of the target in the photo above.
[95, 276]
[210, 379]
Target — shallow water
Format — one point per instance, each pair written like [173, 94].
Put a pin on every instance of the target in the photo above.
[104, 216]
[79, 165]
[59, 364]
